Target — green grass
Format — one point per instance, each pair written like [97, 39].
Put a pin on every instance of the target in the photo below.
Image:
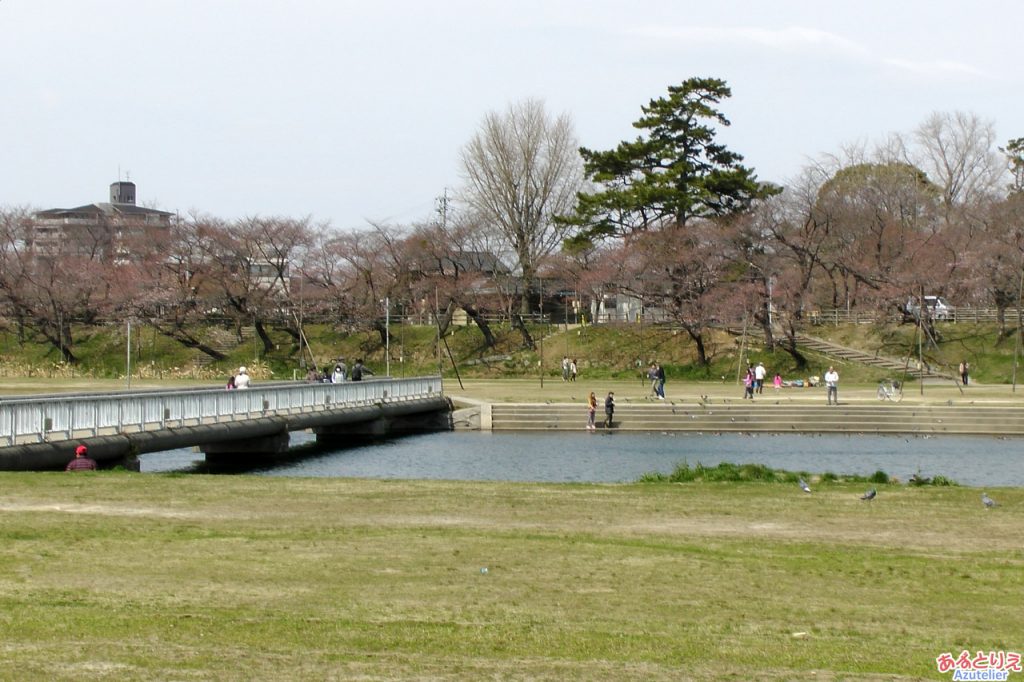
[748, 473]
[148, 577]
[607, 352]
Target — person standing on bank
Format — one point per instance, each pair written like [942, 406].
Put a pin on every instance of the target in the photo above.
[965, 369]
[591, 411]
[652, 376]
[242, 378]
[832, 386]
[659, 376]
[609, 409]
[759, 374]
[82, 461]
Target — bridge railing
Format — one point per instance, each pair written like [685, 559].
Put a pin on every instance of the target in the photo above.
[37, 419]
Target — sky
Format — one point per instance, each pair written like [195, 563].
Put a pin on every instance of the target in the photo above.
[356, 112]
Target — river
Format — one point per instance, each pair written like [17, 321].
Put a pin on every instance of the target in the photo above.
[622, 457]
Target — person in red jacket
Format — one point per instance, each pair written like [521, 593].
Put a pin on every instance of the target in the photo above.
[82, 461]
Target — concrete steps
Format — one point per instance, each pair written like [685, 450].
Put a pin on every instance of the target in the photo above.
[768, 418]
[893, 365]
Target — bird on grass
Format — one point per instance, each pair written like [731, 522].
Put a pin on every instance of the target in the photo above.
[803, 486]
[869, 495]
[988, 501]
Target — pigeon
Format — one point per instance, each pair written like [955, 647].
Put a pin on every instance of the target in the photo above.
[869, 495]
[988, 501]
[803, 486]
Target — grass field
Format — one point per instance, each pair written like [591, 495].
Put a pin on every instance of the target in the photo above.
[555, 390]
[121, 576]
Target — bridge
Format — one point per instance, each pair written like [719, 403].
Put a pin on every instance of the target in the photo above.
[41, 432]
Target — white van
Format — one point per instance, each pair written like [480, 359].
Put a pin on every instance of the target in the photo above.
[938, 308]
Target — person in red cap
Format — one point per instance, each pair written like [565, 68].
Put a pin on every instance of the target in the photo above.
[82, 461]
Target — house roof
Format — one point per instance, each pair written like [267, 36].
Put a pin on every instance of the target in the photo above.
[104, 208]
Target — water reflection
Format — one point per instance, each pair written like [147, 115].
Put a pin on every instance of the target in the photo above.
[622, 457]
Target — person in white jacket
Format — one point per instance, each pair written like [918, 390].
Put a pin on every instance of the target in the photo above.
[832, 386]
[242, 378]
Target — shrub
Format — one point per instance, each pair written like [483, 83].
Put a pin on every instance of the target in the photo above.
[879, 477]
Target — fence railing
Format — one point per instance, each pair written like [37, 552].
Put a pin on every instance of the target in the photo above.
[37, 419]
[962, 315]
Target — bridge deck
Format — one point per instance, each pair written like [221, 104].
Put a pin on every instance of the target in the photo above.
[39, 428]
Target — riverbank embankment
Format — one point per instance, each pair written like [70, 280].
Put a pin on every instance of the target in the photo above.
[941, 408]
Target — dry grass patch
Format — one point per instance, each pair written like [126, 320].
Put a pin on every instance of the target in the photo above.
[127, 576]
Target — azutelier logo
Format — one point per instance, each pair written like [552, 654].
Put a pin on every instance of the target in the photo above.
[980, 666]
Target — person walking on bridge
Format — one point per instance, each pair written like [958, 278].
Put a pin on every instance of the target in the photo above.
[242, 378]
[82, 461]
[359, 369]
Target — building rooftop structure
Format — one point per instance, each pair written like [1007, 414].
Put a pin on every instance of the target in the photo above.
[103, 227]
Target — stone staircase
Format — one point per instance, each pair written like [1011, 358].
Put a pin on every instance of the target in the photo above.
[897, 367]
[224, 341]
[880, 418]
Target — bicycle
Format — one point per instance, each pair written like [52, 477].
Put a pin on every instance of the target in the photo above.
[890, 390]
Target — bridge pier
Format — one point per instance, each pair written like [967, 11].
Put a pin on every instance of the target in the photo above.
[387, 424]
[260, 448]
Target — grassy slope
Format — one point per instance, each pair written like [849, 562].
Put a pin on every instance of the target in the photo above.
[127, 576]
[603, 352]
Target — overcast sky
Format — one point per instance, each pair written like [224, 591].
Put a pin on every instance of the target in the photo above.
[356, 111]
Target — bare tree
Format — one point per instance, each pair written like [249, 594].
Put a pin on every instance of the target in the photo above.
[522, 169]
[45, 288]
[958, 152]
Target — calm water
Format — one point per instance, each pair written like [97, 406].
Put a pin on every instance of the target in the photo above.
[618, 457]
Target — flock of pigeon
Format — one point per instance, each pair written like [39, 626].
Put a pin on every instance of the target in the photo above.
[870, 495]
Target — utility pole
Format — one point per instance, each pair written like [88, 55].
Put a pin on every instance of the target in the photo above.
[541, 283]
[387, 334]
[437, 323]
[1020, 329]
[442, 208]
[128, 357]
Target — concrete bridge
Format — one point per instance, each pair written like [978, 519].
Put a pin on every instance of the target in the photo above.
[41, 432]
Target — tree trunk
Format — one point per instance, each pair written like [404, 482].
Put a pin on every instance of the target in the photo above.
[1001, 320]
[189, 341]
[696, 335]
[764, 320]
[789, 345]
[444, 319]
[382, 331]
[261, 331]
[63, 345]
[482, 324]
[518, 323]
